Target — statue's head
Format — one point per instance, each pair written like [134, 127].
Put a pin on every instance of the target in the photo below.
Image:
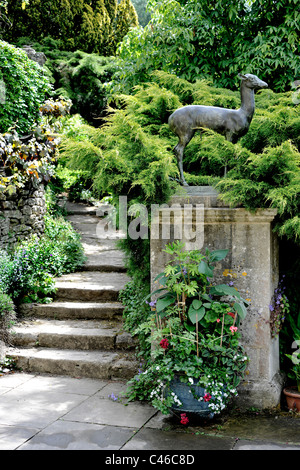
[252, 81]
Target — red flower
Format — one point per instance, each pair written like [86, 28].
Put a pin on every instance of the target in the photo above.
[164, 343]
[207, 397]
[184, 419]
[231, 314]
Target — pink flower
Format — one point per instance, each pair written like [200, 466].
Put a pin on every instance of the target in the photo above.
[218, 320]
[184, 419]
[233, 329]
[164, 343]
[207, 397]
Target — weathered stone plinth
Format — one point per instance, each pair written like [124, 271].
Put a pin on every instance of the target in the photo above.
[251, 263]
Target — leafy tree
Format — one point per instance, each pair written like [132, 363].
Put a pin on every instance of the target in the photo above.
[196, 39]
[24, 88]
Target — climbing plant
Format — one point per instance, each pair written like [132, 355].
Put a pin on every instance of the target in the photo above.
[23, 88]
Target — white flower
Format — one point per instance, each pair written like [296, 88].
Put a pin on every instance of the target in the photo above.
[191, 380]
[157, 367]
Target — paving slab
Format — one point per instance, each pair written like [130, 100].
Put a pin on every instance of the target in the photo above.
[154, 439]
[49, 384]
[11, 437]
[100, 410]
[65, 435]
[260, 445]
[280, 429]
[35, 409]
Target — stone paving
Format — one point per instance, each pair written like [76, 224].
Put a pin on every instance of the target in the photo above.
[44, 412]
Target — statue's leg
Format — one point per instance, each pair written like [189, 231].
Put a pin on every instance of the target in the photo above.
[184, 139]
[178, 150]
[231, 138]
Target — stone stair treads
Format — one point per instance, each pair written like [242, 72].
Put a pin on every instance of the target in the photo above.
[80, 333]
[76, 363]
[79, 310]
[90, 286]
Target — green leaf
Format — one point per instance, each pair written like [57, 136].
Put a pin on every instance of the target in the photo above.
[218, 255]
[203, 268]
[206, 297]
[196, 315]
[153, 293]
[159, 276]
[240, 310]
[196, 304]
[223, 289]
[164, 302]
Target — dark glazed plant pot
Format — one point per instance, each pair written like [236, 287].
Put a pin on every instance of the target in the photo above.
[292, 398]
[190, 404]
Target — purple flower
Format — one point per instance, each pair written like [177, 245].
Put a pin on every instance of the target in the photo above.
[113, 397]
[271, 308]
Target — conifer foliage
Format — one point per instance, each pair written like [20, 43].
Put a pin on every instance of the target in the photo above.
[132, 154]
[90, 26]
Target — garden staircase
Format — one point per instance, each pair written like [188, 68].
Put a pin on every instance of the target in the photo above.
[80, 333]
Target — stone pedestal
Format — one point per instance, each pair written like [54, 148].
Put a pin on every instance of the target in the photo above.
[251, 263]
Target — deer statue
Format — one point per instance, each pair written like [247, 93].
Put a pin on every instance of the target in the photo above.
[232, 123]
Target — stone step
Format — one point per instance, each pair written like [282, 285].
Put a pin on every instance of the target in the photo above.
[73, 310]
[76, 363]
[78, 208]
[80, 333]
[94, 228]
[70, 334]
[90, 286]
[104, 261]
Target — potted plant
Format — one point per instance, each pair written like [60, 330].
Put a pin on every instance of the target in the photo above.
[292, 393]
[196, 361]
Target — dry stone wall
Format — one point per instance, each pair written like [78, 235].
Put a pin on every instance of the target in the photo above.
[21, 215]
